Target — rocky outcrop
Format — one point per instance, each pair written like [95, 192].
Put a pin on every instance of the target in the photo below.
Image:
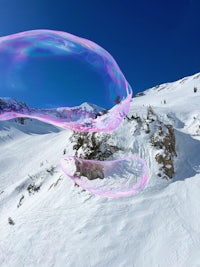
[92, 146]
[164, 140]
[98, 146]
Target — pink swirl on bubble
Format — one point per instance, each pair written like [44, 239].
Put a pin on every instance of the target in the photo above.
[76, 118]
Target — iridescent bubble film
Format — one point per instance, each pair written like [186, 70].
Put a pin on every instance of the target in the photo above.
[114, 179]
[55, 72]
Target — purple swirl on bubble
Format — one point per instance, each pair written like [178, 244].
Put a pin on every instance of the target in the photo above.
[44, 75]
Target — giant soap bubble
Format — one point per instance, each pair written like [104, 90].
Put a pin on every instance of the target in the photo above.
[114, 178]
[46, 75]
[53, 72]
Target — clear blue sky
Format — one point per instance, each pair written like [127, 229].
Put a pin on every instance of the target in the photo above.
[153, 41]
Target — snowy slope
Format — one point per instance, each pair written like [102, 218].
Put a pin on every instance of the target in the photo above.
[58, 224]
[177, 98]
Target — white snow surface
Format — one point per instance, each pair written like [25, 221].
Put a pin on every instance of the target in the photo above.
[63, 226]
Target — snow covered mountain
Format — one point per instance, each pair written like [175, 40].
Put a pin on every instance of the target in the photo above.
[45, 220]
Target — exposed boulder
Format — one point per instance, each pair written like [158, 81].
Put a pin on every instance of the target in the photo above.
[91, 170]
